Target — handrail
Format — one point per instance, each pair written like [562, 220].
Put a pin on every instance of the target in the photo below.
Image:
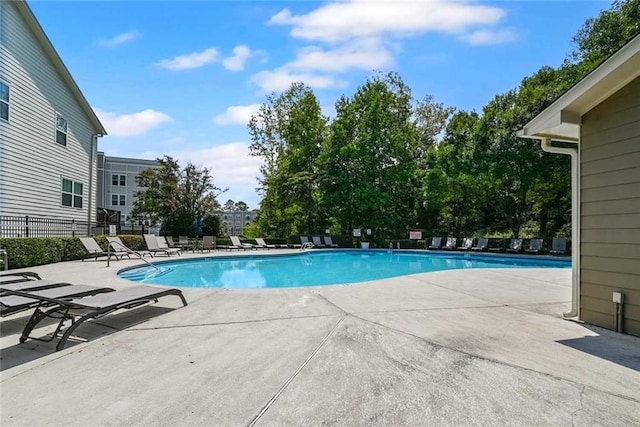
[129, 252]
[307, 245]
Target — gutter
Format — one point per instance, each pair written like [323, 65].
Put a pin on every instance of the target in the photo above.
[92, 159]
[545, 144]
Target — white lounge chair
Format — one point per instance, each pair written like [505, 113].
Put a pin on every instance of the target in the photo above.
[154, 245]
[467, 244]
[305, 243]
[164, 245]
[515, 246]
[94, 250]
[317, 243]
[483, 245]
[329, 243]
[535, 246]
[235, 241]
[208, 243]
[559, 246]
[120, 248]
[451, 244]
[264, 245]
[436, 243]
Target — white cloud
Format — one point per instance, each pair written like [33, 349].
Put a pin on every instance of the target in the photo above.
[237, 115]
[364, 53]
[490, 37]
[316, 67]
[364, 34]
[131, 124]
[190, 60]
[282, 78]
[236, 62]
[341, 21]
[231, 165]
[120, 39]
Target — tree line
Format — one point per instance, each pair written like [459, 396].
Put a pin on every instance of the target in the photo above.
[390, 162]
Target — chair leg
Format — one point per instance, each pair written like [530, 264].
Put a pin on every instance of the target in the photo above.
[70, 329]
[37, 316]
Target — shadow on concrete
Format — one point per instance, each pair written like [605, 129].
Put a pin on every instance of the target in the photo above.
[621, 349]
[21, 353]
[15, 326]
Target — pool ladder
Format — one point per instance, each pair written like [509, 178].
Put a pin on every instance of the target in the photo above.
[307, 245]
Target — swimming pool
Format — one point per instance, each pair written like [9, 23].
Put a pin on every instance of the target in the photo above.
[318, 268]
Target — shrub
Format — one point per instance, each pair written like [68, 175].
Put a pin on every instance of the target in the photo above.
[28, 252]
[134, 242]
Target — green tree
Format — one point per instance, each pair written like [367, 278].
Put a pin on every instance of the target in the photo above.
[211, 225]
[175, 197]
[367, 162]
[287, 133]
[431, 119]
[229, 205]
[241, 206]
[454, 181]
[603, 35]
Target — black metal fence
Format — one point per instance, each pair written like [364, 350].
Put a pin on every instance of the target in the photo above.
[32, 226]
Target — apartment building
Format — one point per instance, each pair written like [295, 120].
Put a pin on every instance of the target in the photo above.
[235, 221]
[117, 184]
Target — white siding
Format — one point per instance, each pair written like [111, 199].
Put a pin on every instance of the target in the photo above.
[31, 162]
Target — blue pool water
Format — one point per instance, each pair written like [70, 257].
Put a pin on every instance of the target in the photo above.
[316, 268]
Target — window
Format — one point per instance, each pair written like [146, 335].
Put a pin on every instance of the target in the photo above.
[119, 180]
[71, 193]
[4, 101]
[118, 200]
[61, 130]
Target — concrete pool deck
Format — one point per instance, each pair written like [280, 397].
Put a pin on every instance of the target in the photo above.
[458, 347]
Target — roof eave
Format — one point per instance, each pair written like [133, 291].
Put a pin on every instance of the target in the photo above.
[561, 120]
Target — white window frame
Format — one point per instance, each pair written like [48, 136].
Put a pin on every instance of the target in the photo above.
[120, 199]
[74, 194]
[119, 180]
[8, 101]
[65, 132]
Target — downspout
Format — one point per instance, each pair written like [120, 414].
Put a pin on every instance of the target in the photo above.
[92, 159]
[545, 143]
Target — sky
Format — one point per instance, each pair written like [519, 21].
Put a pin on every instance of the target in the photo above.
[182, 78]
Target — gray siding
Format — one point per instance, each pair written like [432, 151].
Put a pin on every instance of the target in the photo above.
[128, 167]
[610, 209]
[31, 162]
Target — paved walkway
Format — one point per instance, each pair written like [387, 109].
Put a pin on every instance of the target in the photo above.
[461, 347]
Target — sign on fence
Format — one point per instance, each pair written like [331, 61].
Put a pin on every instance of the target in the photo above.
[415, 235]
